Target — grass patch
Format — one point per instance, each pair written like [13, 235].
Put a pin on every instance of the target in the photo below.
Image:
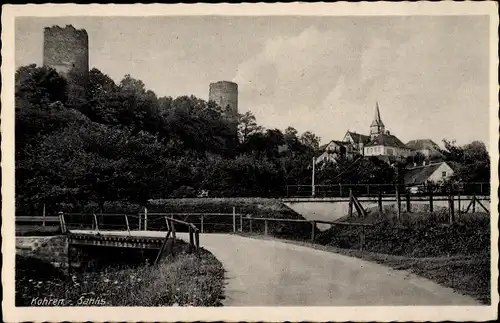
[414, 235]
[184, 280]
[258, 207]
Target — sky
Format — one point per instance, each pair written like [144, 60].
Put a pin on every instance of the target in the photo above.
[429, 74]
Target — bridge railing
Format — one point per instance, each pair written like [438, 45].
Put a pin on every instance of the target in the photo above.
[117, 222]
[342, 190]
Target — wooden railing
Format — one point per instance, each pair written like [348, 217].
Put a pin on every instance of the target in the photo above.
[194, 237]
[363, 190]
[37, 220]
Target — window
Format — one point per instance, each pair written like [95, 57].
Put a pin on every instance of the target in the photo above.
[443, 174]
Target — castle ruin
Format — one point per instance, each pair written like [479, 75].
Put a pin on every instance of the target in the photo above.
[67, 51]
[225, 95]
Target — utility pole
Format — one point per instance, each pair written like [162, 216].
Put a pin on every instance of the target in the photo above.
[313, 175]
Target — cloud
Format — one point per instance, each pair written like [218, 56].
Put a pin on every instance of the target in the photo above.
[328, 81]
[291, 77]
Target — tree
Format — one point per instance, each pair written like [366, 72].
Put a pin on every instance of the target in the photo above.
[310, 139]
[471, 162]
[360, 171]
[247, 126]
[36, 87]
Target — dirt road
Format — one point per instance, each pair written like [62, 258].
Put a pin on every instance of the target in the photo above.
[272, 273]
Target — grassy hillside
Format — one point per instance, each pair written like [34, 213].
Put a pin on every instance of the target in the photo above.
[415, 234]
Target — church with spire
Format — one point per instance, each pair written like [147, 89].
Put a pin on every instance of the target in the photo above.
[377, 127]
[380, 143]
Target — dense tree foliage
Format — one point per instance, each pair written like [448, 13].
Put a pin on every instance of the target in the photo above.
[121, 142]
[471, 162]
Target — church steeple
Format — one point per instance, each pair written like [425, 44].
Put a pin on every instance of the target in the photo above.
[377, 127]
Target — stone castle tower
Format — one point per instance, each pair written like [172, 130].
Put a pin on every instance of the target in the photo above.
[377, 127]
[225, 95]
[67, 51]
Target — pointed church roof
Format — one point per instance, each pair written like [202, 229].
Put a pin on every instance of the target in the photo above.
[377, 121]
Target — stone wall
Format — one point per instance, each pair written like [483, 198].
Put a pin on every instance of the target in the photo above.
[67, 51]
[51, 249]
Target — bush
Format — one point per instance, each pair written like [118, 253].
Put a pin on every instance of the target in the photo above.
[417, 235]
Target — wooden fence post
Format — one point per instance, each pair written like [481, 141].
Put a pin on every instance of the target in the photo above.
[43, 214]
[174, 236]
[350, 202]
[340, 186]
[197, 240]
[250, 216]
[145, 219]
[408, 202]
[451, 204]
[96, 223]
[380, 208]
[126, 221]
[202, 223]
[398, 199]
[140, 220]
[431, 201]
[234, 219]
[63, 223]
[459, 204]
[241, 222]
[481, 205]
[191, 239]
[265, 228]
[474, 203]
[313, 227]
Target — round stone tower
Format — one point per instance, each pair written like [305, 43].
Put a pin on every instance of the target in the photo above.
[225, 94]
[67, 51]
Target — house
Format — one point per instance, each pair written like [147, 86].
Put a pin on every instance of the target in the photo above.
[426, 147]
[386, 144]
[335, 150]
[358, 141]
[429, 173]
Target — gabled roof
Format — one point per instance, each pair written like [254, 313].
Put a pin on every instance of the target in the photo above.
[340, 143]
[358, 138]
[421, 144]
[386, 140]
[420, 174]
